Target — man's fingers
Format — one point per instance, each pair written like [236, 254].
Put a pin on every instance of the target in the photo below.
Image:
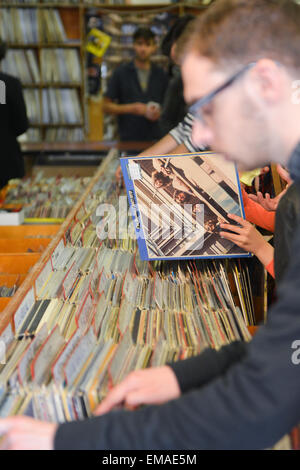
[147, 394]
[137, 398]
[116, 396]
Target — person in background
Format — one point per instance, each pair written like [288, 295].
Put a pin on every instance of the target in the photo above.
[176, 139]
[174, 107]
[13, 123]
[136, 92]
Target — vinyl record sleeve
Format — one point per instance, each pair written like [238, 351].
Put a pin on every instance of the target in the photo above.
[178, 202]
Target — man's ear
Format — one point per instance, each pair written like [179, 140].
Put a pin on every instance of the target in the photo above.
[268, 80]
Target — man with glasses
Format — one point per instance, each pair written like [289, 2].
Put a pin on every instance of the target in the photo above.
[239, 64]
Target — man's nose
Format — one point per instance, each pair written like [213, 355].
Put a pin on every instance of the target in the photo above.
[202, 135]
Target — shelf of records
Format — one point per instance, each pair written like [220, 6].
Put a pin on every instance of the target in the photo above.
[53, 106]
[45, 199]
[45, 52]
[90, 302]
[57, 67]
[26, 26]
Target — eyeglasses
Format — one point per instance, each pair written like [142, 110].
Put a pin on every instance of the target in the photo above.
[195, 109]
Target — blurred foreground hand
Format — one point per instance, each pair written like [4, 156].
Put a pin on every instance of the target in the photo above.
[23, 433]
[148, 386]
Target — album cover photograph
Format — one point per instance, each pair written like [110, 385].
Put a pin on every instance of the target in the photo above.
[178, 203]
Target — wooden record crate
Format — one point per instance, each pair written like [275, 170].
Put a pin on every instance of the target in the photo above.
[20, 249]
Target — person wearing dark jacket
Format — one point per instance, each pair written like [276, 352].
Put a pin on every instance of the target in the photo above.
[13, 123]
[136, 91]
[239, 86]
[174, 107]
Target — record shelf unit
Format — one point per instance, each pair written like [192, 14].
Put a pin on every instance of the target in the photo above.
[90, 310]
[46, 51]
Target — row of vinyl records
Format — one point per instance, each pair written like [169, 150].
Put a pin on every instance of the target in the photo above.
[31, 26]
[53, 106]
[97, 312]
[46, 197]
[62, 134]
[56, 66]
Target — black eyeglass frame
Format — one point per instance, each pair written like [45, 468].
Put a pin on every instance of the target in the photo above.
[195, 107]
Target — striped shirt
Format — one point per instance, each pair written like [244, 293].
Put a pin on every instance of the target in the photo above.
[182, 133]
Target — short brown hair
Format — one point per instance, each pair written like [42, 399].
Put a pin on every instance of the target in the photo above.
[143, 33]
[243, 31]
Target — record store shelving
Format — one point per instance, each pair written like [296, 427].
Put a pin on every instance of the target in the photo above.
[38, 34]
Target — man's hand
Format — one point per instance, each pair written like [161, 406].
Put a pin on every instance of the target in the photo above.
[23, 433]
[153, 112]
[149, 386]
[140, 109]
[154, 116]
